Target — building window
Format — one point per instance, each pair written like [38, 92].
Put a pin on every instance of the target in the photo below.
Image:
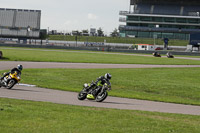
[145, 18]
[180, 20]
[195, 21]
[169, 19]
[157, 19]
[134, 18]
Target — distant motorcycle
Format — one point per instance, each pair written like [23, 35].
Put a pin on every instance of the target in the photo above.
[100, 91]
[156, 54]
[169, 55]
[10, 80]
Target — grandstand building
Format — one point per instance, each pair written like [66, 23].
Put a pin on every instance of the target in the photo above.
[175, 19]
[20, 23]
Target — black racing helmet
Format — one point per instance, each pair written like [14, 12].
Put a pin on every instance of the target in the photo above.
[108, 76]
[19, 67]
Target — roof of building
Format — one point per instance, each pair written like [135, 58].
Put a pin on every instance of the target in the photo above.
[168, 2]
[145, 44]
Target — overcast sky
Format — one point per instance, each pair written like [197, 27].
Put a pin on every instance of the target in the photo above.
[68, 15]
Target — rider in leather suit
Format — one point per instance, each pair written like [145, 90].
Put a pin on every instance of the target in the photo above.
[100, 82]
[18, 70]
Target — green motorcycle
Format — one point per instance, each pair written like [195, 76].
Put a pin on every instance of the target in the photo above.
[94, 91]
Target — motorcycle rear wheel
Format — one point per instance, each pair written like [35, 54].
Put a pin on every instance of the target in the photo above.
[101, 96]
[10, 84]
[82, 95]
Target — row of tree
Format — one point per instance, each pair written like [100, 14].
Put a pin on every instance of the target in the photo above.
[100, 33]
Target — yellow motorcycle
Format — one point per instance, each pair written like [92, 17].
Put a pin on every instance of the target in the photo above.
[10, 80]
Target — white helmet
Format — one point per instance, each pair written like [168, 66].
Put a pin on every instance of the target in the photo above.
[108, 76]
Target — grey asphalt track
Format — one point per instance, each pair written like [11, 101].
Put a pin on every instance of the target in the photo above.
[64, 97]
[4, 65]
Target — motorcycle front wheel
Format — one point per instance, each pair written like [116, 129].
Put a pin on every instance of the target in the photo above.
[82, 95]
[10, 84]
[101, 96]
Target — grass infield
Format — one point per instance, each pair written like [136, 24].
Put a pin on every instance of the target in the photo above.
[20, 116]
[46, 55]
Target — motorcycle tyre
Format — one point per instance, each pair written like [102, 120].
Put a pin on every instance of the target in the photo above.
[157, 55]
[13, 83]
[0, 83]
[82, 96]
[170, 56]
[102, 97]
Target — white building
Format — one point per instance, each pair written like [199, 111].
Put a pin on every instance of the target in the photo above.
[145, 46]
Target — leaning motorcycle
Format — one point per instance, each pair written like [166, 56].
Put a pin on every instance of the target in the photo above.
[10, 80]
[156, 54]
[100, 92]
[169, 55]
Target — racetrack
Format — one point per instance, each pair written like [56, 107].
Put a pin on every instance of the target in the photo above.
[4, 65]
[64, 97]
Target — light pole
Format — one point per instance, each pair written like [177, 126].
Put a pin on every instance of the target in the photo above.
[29, 30]
[155, 36]
[47, 40]
[76, 38]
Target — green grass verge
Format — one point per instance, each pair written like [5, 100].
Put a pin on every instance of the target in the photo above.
[172, 42]
[18, 116]
[176, 85]
[46, 55]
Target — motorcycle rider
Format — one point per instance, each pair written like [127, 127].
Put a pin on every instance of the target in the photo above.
[169, 54]
[17, 69]
[102, 79]
[156, 54]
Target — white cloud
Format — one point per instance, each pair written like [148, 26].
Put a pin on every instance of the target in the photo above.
[92, 16]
